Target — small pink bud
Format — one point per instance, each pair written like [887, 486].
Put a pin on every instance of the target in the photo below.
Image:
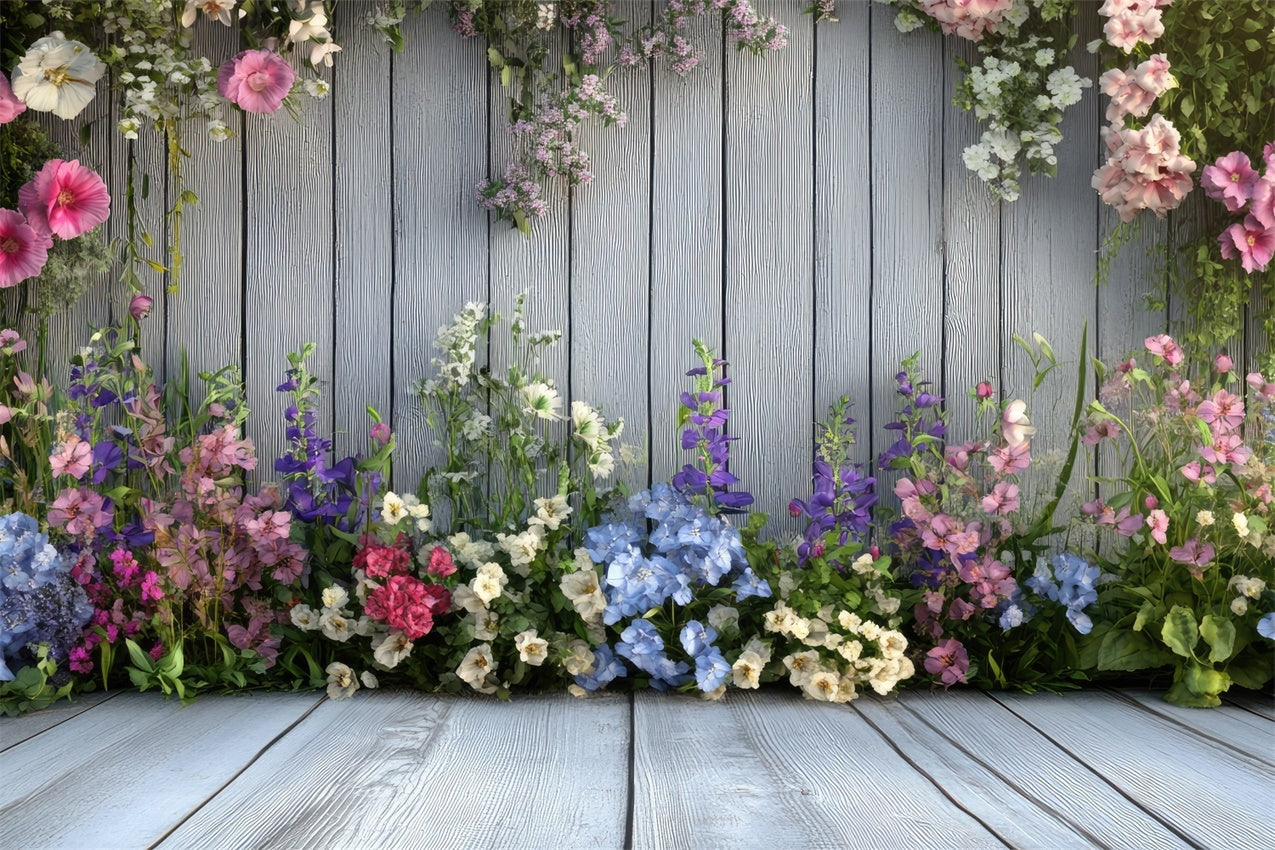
[140, 307]
[1222, 363]
[874, 552]
[984, 390]
[818, 549]
[1151, 502]
[380, 432]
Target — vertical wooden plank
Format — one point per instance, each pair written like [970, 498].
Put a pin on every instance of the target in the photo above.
[906, 120]
[205, 315]
[288, 283]
[971, 261]
[686, 235]
[1124, 319]
[440, 257]
[1049, 261]
[363, 369]
[610, 261]
[843, 218]
[769, 301]
[1257, 342]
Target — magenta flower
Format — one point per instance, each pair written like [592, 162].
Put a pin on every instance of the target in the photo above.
[256, 80]
[1230, 180]
[1163, 345]
[1158, 522]
[1193, 553]
[1251, 242]
[11, 106]
[1262, 207]
[139, 306]
[65, 199]
[949, 661]
[23, 252]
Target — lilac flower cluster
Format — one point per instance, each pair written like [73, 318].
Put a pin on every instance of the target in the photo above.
[513, 197]
[912, 419]
[843, 496]
[705, 435]
[40, 603]
[745, 28]
[1070, 583]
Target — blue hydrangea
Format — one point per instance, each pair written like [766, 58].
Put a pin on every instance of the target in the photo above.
[39, 601]
[606, 668]
[711, 669]
[1069, 580]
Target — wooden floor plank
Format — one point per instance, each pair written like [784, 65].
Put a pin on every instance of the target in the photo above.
[1040, 769]
[1225, 725]
[124, 773]
[15, 730]
[1212, 795]
[995, 798]
[390, 769]
[772, 770]
[1256, 702]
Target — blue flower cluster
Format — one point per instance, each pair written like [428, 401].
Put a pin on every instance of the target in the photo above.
[1070, 583]
[39, 601]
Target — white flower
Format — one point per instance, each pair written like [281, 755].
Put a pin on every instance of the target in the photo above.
[323, 52]
[580, 658]
[1066, 86]
[464, 599]
[219, 130]
[864, 565]
[551, 511]
[1239, 605]
[393, 509]
[584, 592]
[311, 25]
[486, 587]
[601, 464]
[390, 649]
[1240, 521]
[476, 427]
[851, 650]
[335, 596]
[522, 548]
[588, 424]
[545, 15]
[577, 691]
[369, 680]
[849, 621]
[57, 75]
[304, 618]
[541, 401]
[342, 683]
[532, 649]
[335, 625]
[129, 127]
[801, 666]
[746, 670]
[216, 10]
[821, 685]
[759, 646]
[1204, 518]
[317, 89]
[477, 667]
[723, 618]
[486, 625]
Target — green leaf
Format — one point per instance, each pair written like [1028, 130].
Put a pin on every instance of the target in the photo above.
[1219, 634]
[1252, 45]
[1205, 681]
[1147, 612]
[1180, 632]
[139, 657]
[1180, 694]
[495, 58]
[1127, 650]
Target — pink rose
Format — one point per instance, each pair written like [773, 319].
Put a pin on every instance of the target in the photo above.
[256, 80]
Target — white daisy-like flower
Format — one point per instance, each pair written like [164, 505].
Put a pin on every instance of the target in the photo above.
[390, 649]
[541, 401]
[304, 617]
[57, 75]
[336, 625]
[477, 668]
[746, 671]
[342, 683]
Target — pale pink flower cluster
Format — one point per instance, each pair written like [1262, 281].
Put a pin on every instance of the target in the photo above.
[1145, 169]
[1233, 181]
[1133, 90]
[744, 26]
[1132, 22]
[969, 19]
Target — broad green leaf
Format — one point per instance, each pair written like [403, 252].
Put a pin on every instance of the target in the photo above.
[1182, 695]
[1205, 681]
[1180, 632]
[1145, 613]
[495, 58]
[1123, 649]
[1219, 634]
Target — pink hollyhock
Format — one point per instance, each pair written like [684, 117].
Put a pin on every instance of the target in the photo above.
[1251, 242]
[73, 458]
[1006, 460]
[1158, 522]
[1195, 472]
[1222, 363]
[1224, 410]
[23, 252]
[1163, 345]
[1227, 448]
[949, 661]
[1263, 205]
[256, 80]
[11, 106]
[1230, 180]
[1145, 169]
[1265, 389]
[65, 199]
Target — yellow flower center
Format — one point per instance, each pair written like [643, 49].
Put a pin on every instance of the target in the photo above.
[57, 76]
[10, 245]
[65, 198]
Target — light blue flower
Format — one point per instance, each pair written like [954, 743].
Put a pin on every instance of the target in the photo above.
[606, 668]
[749, 584]
[1266, 626]
[711, 670]
[605, 542]
[697, 638]
[640, 638]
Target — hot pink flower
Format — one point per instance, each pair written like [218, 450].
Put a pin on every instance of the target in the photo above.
[440, 562]
[65, 199]
[1230, 180]
[1158, 522]
[73, 458]
[1251, 242]
[1263, 205]
[1163, 345]
[949, 661]
[23, 252]
[256, 80]
[11, 106]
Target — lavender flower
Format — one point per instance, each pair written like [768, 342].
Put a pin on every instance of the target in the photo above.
[708, 477]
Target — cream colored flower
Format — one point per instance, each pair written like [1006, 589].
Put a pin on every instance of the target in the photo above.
[584, 592]
[541, 401]
[335, 596]
[893, 644]
[1240, 521]
[851, 650]
[870, 630]
[464, 599]
[816, 633]
[336, 624]
[322, 52]
[715, 694]
[522, 548]
[601, 464]
[342, 683]
[747, 669]
[847, 689]
[821, 685]
[486, 587]
[849, 621]
[551, 512]
[588, 424]
[486, 625]
[57, 75]
[532, 649]
[883, 675]
[1239, 605]
[577, 691]
[863, 565]
[390, 649]
[1204, 518]
[369, 680]
[304, 618]
[214, 10]
[723, 618]
[580, 658]
[393, 509]
[477, 668]
[801, 666]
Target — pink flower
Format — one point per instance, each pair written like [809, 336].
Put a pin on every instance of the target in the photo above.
[65, 199]
[380, 432]
[1126, 524]
[1193, 553]
[440, 562]
[1163, 345]
[983, 391]
[256, 80]
[1230, 180]
[969, 19]
[11, 106]
[1131, 23]
[1015, 425]
[73, 458]
[1158, 522]
[23, 252]
[1251, 242]
[139, 306]
[949, 661]
[1223, 410]
[1196, 472]
[1132, 91]
[1263, 205]
[1145, 169]
[1227, 448]
[1010, 459]
[1222, 363]
[1265, 389]
[1003, 499]
[11, 342]
[1105, 429]
[80, 511]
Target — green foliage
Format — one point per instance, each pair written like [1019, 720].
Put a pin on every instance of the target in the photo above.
[35, 686]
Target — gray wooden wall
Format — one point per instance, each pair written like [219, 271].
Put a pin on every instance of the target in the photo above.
[808, 214]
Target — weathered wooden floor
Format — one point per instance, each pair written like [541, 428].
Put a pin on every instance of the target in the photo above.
[386, 769]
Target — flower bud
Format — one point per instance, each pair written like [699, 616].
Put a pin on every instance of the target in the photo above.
[1222, 363]
[983, 390]
[140, 306]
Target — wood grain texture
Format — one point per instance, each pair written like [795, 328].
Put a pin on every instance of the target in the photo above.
[440, 260]
[843, 219]
[148, 155]
[992, 795]
[769, 250]
[1228, 726]
[610, 261]
[1252, 701]
[772, 770]
[205, 314]
[1048, 774]
[288, 268]
[406, 770]
[1157, 764]
[126, 772]
[363, 193]
[971, 263]
[906, 119]
[15, 730]
[686, 236]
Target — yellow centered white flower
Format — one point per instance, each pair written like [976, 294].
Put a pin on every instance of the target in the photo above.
[342, 683]
[1240, 521]
[1204, 518]
[477, 667]
[486, 587]
[746, 670]
[390, 649]
[532, 649]
[335, 597]
[304, 617]
[57, 75]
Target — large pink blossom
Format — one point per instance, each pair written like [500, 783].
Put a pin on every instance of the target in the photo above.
[11, 106]
[23, 251]
[1158, 522]
[1251, 242]
[1263, 206]
[1163, 345]
[65, 199]
[256, 80]
[1132, 22]
[949, 661]
[1133, 90]
[969, 19]
[1145, 169]
[1230, 180]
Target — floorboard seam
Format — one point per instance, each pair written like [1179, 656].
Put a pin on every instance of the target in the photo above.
[1168, 718]
[84, 710]
[631, 808]
[322, 699]
[930, 779]
[1153, 815]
